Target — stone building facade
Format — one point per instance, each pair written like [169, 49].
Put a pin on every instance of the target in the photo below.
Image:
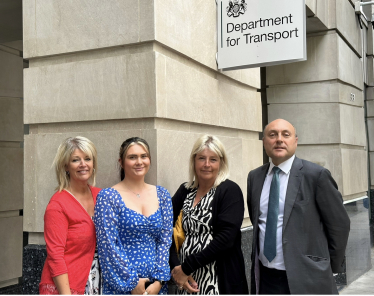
[108, 70]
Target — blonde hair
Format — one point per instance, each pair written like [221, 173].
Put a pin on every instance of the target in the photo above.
[126, 146]
[62, 158]
[215, 145]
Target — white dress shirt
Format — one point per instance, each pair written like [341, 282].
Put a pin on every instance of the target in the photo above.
[284, 174]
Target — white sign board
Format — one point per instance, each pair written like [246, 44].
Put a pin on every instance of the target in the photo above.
[255, 33]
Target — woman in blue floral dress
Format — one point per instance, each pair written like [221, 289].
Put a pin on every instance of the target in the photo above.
[133, 222]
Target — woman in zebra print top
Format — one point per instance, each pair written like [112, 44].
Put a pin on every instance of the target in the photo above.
[210, 260]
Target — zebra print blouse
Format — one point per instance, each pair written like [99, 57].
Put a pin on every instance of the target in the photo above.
[199, 234]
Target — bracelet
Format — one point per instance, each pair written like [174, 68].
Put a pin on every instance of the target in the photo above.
[161, 282]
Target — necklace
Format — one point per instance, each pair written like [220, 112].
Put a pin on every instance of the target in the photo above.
[136, 194]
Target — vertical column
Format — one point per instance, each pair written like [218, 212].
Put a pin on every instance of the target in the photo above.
[11, 165]
[323, 97]
[370, 126]
[370, 115]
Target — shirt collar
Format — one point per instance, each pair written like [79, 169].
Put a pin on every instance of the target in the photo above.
[284, 166]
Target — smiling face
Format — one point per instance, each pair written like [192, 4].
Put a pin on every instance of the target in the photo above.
[136, 163]
[207, 164]
[80, 166]
[280, 141]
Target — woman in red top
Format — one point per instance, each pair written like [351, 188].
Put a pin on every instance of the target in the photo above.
[69, 232]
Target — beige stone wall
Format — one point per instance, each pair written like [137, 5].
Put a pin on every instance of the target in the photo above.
[109, 70]
[315, 95]
[11, 164]
[170, 142]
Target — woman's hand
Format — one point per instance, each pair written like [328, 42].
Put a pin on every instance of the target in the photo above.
[153, 288]
[179, 276]
[184, 281]
[191, 285]
[140, 287]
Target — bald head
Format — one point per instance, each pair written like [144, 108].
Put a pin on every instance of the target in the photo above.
[279, 120]
[280, 140]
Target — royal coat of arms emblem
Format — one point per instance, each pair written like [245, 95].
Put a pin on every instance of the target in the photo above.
[236, 8]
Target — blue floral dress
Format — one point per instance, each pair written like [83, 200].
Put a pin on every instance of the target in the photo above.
[131, 245]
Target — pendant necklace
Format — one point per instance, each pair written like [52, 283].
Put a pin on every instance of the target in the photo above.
[137, 194]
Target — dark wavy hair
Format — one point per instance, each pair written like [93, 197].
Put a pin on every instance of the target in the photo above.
[125, 147]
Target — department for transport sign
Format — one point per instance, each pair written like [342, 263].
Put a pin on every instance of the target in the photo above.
[255, 33]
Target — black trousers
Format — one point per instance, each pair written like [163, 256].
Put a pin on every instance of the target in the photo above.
[273, 281]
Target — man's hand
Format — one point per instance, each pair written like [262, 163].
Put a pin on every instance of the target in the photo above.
[140, 287]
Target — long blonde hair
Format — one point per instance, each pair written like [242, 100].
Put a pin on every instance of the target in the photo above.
[215, 145]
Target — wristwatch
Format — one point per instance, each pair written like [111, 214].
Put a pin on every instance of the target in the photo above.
[161, 282]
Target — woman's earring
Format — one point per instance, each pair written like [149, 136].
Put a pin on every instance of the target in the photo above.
[67, 173]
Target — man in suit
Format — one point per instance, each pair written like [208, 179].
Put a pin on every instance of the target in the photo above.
[300, 226]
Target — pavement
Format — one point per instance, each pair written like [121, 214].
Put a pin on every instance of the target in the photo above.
[364, 285]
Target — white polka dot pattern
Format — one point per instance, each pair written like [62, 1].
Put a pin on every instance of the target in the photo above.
[131, 245]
